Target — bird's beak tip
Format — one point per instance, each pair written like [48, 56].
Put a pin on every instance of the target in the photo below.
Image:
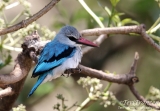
[84, 41]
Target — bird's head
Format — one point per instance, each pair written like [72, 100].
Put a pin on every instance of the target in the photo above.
[70, 36]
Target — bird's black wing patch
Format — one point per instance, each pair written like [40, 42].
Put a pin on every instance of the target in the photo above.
[54, 61]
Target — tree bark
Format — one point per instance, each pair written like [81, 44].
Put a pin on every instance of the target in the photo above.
[7, 102]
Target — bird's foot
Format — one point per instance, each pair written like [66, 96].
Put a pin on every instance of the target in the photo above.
[65, 75]
[71, 71]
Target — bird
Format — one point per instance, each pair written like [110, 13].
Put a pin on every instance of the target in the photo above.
[62, 53]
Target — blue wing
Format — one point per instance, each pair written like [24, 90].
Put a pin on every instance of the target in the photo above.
[53, 55]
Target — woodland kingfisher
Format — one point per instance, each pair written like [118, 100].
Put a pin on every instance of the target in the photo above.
[62, 53]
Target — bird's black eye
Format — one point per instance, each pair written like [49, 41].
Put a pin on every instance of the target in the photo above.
[72, 38]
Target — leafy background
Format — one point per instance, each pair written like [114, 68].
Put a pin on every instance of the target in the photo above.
[115, 53]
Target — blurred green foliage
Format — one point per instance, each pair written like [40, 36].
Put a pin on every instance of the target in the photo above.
[100, 13]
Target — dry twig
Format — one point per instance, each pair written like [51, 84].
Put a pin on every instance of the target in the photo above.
[102, 33]
[134, 91]
[113, 30]
[24, 61]
[22, 66]
[28, 21]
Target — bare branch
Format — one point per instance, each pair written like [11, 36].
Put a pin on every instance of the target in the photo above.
[149, 39]
[132, 88]
[134, 65]
[113, 30]
[28, 21]
[102, 33]
[16, 78]
[118, 78]
[13, 77]
[138, 29]
[142, 99]
[24, 60]
[129, 78]
[7, 102]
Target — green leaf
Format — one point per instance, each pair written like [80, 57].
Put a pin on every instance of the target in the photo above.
[128, 21]
[108, 10]
[114, 2]
[101, 18]
[116, 17]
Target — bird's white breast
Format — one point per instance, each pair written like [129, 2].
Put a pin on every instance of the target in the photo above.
[69, 63]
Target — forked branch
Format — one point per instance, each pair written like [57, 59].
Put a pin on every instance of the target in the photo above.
[25, 59]
[28, 21]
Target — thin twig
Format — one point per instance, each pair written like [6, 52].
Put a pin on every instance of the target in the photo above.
[142, 99]
[138, 29]
[113, 30]
[118, 78]
[149, 39]
[132, 88]
[128, 79]
[134, 67]
[28, 21]
[74, 105]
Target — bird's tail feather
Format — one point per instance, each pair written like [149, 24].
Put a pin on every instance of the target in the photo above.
[39, 81]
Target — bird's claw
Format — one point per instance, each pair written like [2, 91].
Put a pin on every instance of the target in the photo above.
[71, 71]
[65, 74]
[62, 75]
[79, 70]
